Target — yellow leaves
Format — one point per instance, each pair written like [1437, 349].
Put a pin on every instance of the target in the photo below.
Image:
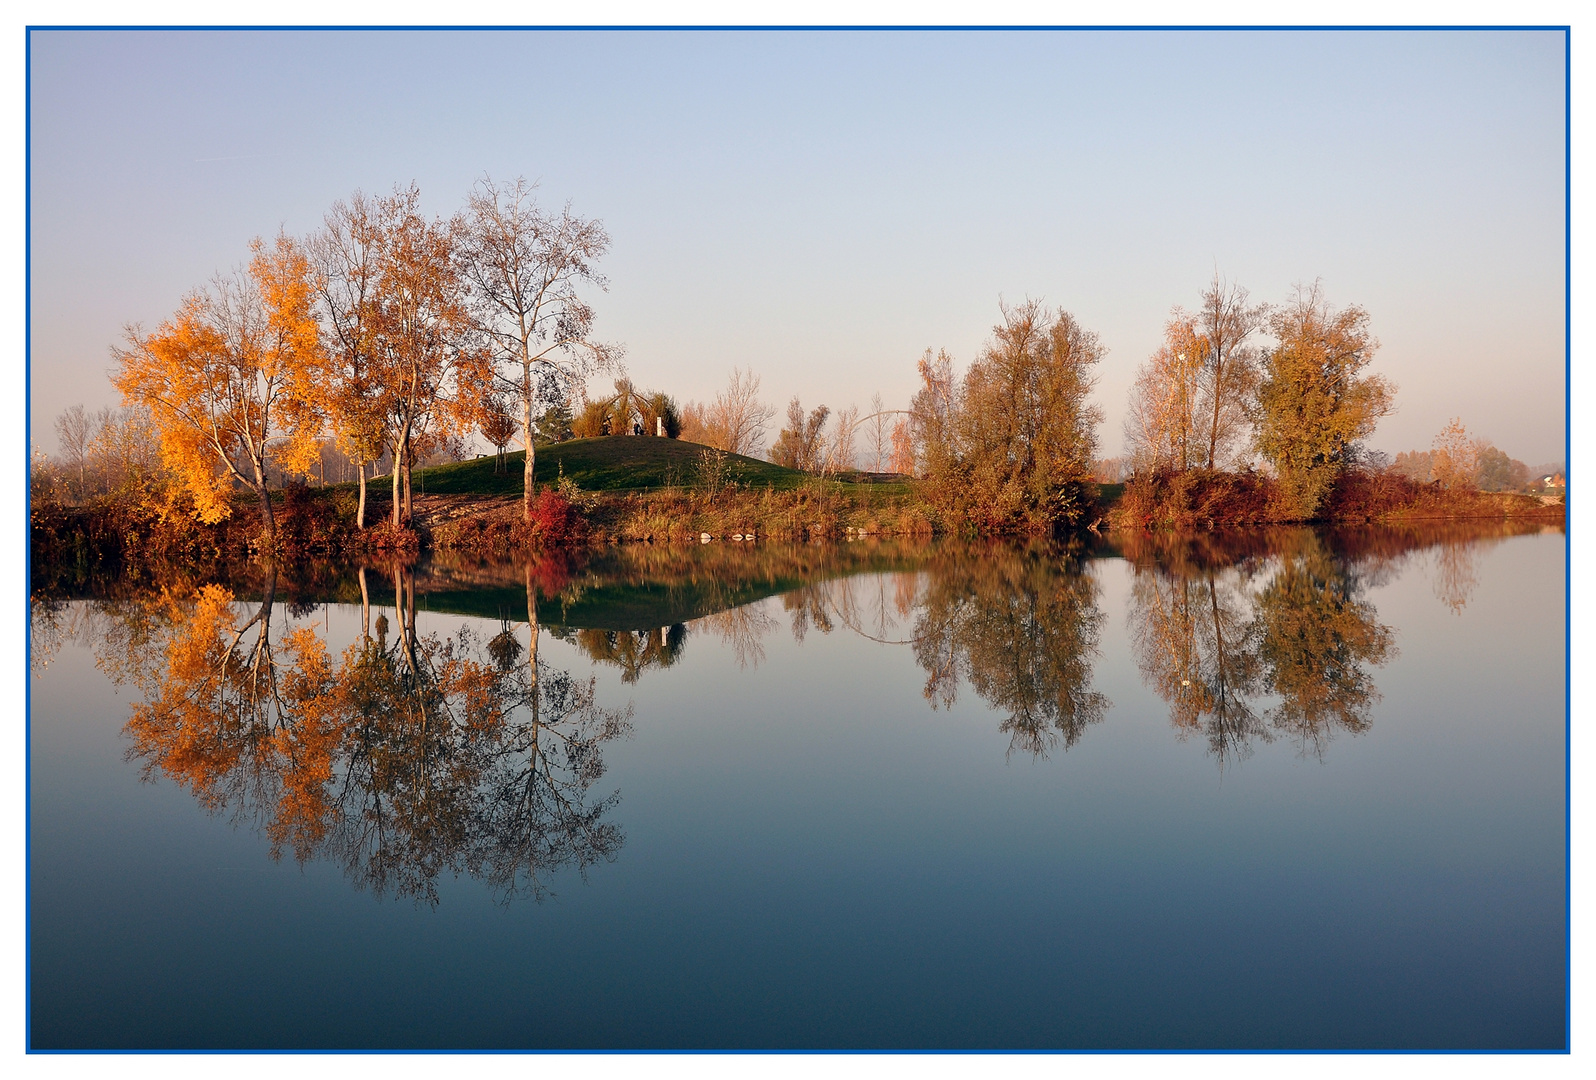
[187, 453]
[235, 367]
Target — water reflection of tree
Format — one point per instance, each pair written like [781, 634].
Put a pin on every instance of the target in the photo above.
[1196, 646]
[633, 651]
[1021, 626]
[1212, 643]
[1317, 639]
[408, 756]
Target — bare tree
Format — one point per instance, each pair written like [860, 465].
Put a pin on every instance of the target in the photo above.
[1229, 371]
[73, 429]
[524, 267]
[839, 452]
[740, 414]
[735, 421]
[879, 436]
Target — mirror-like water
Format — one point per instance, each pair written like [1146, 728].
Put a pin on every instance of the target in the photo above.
[1284, 789]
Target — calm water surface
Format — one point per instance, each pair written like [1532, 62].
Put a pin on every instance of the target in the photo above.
[1270, 790]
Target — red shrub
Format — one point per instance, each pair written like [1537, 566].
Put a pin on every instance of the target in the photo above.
[554, 519]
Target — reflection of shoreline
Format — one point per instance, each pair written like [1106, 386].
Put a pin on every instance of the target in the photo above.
[1220, 620]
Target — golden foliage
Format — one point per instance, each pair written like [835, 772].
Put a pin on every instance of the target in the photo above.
[233, 370]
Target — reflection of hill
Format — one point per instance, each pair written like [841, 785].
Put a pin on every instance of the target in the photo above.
[640, 587]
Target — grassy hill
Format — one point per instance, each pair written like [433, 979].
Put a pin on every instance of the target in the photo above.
[608, 463]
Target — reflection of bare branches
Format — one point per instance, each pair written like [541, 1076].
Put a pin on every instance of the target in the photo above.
[51, 624]
[807, 606]
[742, 628]
[1455, 577]
[1196, 647]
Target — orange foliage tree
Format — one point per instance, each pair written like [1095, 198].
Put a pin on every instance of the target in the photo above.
[228, 375]
[430, 373]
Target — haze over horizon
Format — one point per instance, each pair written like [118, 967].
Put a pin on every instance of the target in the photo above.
[823, 206]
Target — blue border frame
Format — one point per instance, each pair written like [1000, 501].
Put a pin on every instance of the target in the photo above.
[27, 428]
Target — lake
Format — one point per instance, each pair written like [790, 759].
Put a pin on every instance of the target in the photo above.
[1277, 789]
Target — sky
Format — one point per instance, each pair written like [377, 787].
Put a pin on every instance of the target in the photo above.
[823, 206]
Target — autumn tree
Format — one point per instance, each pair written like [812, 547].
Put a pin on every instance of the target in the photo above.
[902, 459]
[228, 376]
[1161, 423]
[1228, 371]
[347, 255]
[931, 415]
[1313, 405]
[734, 422]
[1016, 447]
[1455, 457]
[430, 370]
[801, 444]
[498, 427]
[525, 267]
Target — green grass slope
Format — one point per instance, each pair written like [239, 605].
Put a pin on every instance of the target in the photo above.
[608, 463]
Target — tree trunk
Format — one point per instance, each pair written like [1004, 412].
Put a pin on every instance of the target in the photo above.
[532, 626]
[360, 508]
[397, 500]
[527, 481]
[268, 523]
[409, 508]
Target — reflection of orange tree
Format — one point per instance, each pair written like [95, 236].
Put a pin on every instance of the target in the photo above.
[1209, 645]
[402, 760]
[1021, 624]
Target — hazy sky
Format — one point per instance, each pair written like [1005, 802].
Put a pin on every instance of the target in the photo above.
[824, 206]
